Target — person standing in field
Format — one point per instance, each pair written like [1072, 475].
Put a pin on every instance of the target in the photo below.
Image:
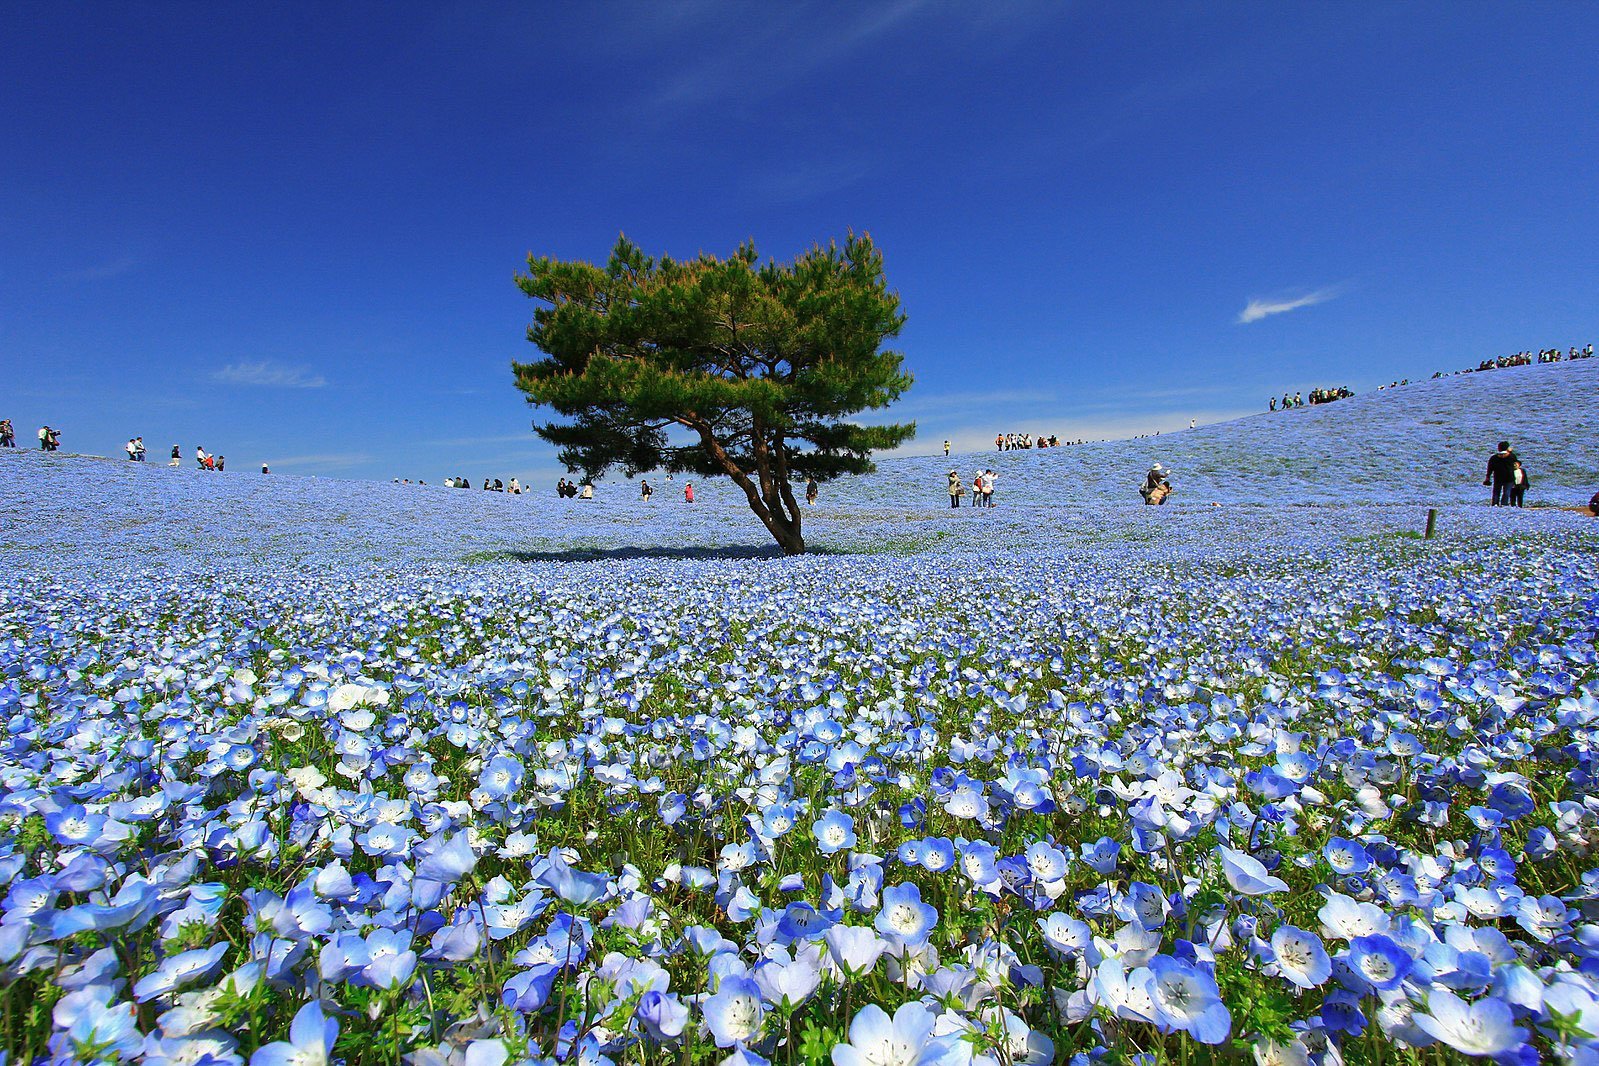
[946, 449]
[811, 491]
[1519, 484]
[644, 491]
[8, 436]
[688, 492]
[1501, 474]
[44, 438]
[956, 489]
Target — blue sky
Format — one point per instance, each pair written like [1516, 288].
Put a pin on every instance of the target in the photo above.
[288, 233]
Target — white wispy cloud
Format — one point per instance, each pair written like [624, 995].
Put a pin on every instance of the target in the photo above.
[1259, 309]
[111, 268]
[268, 374]
[305, 464]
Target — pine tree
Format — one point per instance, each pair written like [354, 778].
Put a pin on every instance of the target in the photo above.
[718, 367]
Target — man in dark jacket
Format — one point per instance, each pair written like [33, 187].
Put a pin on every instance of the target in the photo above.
[1501, 474]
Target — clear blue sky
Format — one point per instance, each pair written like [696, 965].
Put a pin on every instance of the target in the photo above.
[288, 232]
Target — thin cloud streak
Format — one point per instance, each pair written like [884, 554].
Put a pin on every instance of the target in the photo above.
[327, 461]
[1259, 309]
[105, 271]
[267, 374]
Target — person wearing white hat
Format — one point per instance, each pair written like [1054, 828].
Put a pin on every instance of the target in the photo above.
[1156, 486]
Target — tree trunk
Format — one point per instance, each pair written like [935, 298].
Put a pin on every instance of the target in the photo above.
[784, 527]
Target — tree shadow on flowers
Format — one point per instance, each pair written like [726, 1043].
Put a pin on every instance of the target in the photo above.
[653, 551]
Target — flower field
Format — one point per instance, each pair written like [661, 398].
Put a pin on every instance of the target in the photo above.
[297, 772]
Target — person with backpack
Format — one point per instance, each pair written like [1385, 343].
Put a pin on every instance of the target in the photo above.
[1156, 487]
[1501, 474]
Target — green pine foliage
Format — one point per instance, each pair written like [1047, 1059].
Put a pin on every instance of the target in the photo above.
[718, 367]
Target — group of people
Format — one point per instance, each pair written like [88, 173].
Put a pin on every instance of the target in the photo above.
[135, 449]
[49, 439]
[1012, 442]
[489, 485]
[982, 488]
[1317, 396]
[1544, 355]
[8, 436]
[570, 490]
[1507, 476]
[205, 460]
[645, 491]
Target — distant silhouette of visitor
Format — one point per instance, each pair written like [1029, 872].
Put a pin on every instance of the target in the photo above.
[8, 436]
[688, 492]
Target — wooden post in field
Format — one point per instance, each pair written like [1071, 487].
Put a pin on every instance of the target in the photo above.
[1432, 521]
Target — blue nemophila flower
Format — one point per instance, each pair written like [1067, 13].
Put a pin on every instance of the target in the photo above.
[574, 886]
[1185, 997]
[904, 919]
[1347, 919]
[1102, 855]
[1300, 956]
[735, 1014]
[311, 1037]
[662, 1015]
[787, 980]
[1247, 874]
[1379, 962]
[801, 921]
[179, 970]
[1486, 1027]
[502, 777]
[94, 1028]
[906, 1039]
[1346, 857]
[854, 949]
[834, 831]
[1045, 861]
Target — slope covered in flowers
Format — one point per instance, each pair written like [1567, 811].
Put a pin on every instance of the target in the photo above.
[1425, 443]
[296, 770]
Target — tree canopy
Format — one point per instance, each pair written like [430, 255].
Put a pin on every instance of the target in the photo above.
[718, 367]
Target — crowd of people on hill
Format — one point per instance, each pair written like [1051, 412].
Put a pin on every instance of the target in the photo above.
[489, 485]
[50, 441]
[1013, 442]
[1317, 396]
[1528, 358]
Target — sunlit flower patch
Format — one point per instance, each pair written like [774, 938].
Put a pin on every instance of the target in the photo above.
[1307, 791]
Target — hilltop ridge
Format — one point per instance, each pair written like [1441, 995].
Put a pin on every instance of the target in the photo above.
[1426, 442]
